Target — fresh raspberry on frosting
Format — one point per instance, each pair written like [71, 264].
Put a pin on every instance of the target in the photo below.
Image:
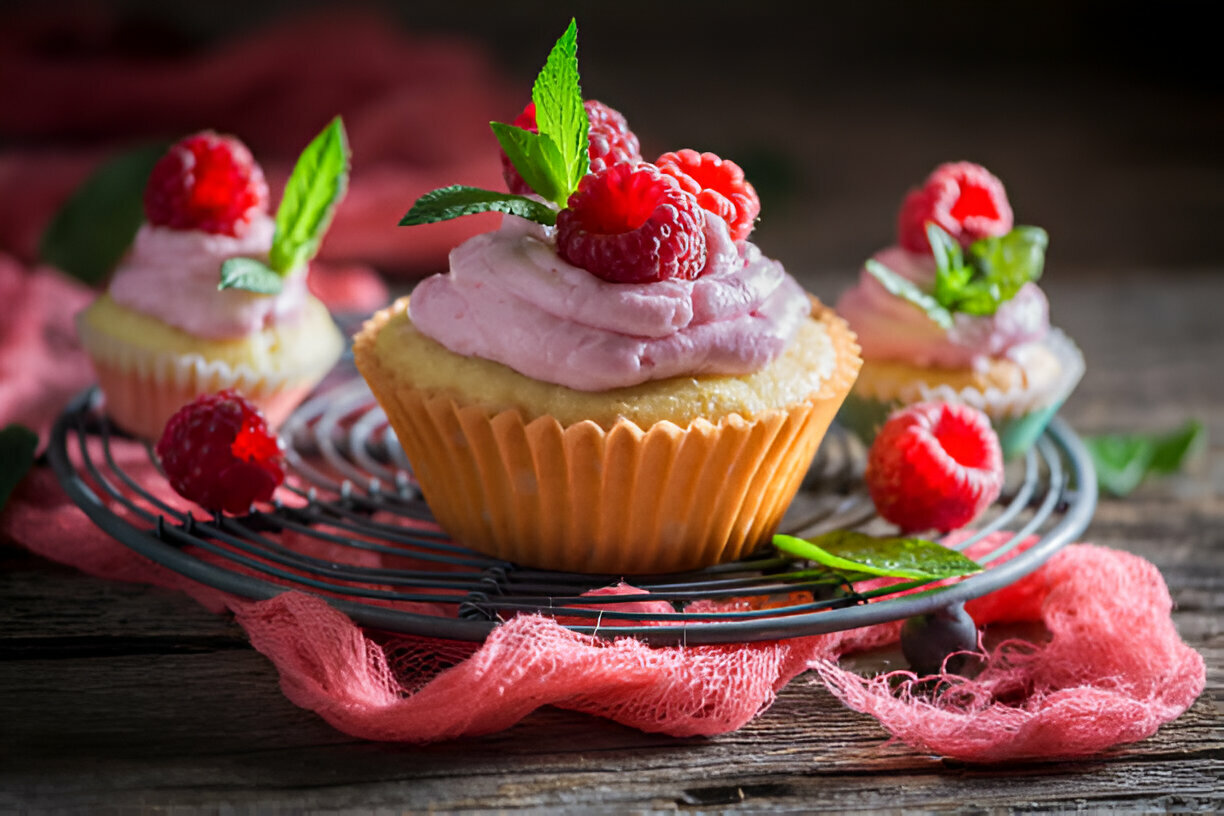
[218, 452]
[609, 138]
[961, 197]
[719, 186]
[934, 466]
[633, 224]
[206, 182]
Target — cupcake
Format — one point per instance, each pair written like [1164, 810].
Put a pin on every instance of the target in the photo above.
[615, 381]
[953, 313]
[212, 294]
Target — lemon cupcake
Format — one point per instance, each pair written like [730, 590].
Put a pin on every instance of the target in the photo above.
[212, 294]
[617, 380]
[953, 313]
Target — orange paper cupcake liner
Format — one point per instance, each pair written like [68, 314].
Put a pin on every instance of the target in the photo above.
[619, 501]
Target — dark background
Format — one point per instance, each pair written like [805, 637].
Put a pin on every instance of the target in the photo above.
[1103, 119]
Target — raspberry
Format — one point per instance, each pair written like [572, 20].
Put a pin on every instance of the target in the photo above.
[206, 182]
[934, 466]
[963, 198]
[609, 139]
[719, 186]
[633, 224]
[218, 452]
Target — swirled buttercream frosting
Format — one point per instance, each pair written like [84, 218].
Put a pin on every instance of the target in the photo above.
[891, 328]
[508, 297]
[172, 275]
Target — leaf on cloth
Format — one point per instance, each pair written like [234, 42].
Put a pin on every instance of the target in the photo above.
[17, 447]
[93, 229]
[1123, 461]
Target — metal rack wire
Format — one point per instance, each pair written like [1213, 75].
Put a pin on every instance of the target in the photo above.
[351, 527]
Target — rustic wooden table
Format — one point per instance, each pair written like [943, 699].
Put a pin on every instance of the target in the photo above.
[117, 697]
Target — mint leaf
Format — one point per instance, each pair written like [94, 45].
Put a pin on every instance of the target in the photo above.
[945, 248]
[93, 229]
[1010, 261]
[536, 159]
[251, 275]
[906, 289]
[446, 203]
[315, 188]
[851, 553]
[1172, 450]
[17, 447]
[1123, 461]
[560, 114]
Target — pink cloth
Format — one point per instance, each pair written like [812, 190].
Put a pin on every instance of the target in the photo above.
[1113, 671]
[417, 111]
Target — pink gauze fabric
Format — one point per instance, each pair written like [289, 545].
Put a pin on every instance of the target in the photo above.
[1113, 670]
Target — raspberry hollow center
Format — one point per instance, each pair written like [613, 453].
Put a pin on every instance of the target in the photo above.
[974, 201]
[963, 442]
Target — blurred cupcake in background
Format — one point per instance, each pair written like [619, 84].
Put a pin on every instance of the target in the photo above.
[953, 313]
[212, 294]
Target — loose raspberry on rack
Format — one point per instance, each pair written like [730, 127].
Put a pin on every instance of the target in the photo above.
[719, 186]
[218, 452]
[206, 182]
[633, 224]
[961, 197]
[609, 139]
[934, 466]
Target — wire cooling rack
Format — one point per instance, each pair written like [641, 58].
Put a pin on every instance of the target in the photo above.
[350, 526]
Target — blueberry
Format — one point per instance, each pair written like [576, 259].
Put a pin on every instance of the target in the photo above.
[927, 639]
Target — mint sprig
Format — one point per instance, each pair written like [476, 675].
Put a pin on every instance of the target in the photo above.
[551, 160]
[1123, 461]
[315, 188]
[92, 230]
[991, 274]
[451, 202]
[855, 554]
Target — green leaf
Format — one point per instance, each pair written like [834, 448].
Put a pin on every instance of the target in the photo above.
[536, 159]
[560, 114]
[251, 275]
[1123, 461]
[906, 289]
[452, 202]
[17, 447]
[945, 248]
[315, 188]
[850, 552]
[93, 229]
[1174, 449]
[1010, 261]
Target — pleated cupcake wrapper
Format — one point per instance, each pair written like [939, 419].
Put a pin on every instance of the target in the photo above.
[617, 501]
[145, 387]
[1019, 415]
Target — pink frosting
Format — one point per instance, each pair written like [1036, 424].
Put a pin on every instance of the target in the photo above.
[890, 328]
[172, 275]
[510, 298]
